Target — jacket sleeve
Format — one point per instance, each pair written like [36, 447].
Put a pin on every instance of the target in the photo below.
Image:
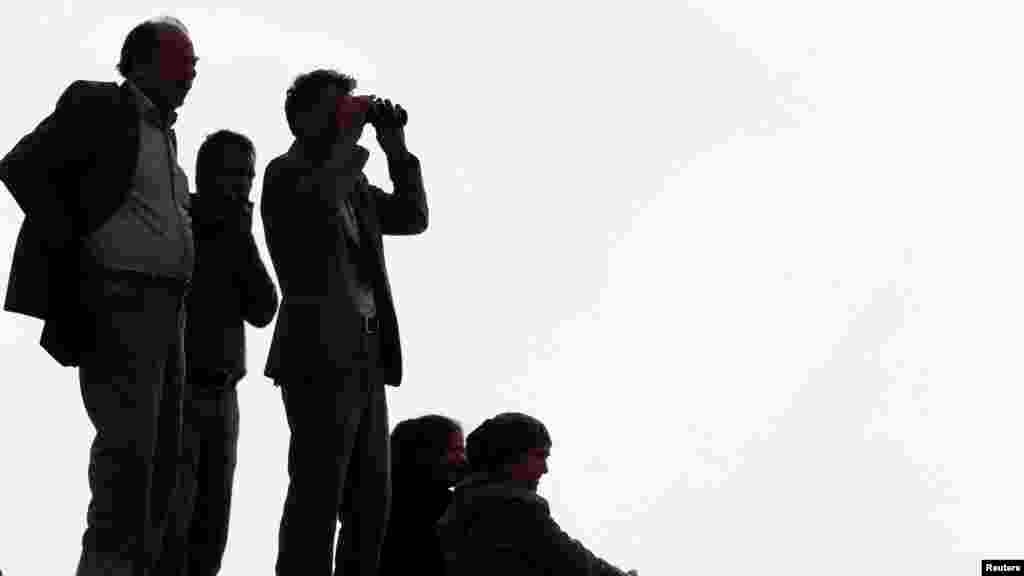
[566, 555]
[403, 212]
[34, 169]
[258, 293]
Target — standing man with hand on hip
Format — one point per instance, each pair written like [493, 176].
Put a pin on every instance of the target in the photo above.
[105, 256]
[336, 342]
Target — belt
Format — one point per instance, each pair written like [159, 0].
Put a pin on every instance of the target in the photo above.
[370, 325]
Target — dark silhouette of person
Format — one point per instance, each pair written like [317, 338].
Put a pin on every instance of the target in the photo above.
[428, 457]
[336, 342]
[498, 524]
[104, 257]
[230, 286]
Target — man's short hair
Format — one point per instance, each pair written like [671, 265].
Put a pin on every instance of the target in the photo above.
[418, 436]
[144, 39]
[211, 149]
[503, 440]
[307, 87]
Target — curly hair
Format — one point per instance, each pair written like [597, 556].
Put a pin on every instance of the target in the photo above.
[307, 87]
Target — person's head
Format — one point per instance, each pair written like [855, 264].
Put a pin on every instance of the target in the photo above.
[510, 446]
[429, 448]
[225, 166]
[310, 105]
[158, 57]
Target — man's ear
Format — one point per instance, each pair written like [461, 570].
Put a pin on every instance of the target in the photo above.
[514, 469]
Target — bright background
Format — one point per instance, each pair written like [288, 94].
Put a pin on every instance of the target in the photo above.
[756, 264]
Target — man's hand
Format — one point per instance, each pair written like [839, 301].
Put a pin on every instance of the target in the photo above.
[235, 212]
[391, 136]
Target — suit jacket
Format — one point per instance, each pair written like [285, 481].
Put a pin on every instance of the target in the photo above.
[69, 175]
[318, 328]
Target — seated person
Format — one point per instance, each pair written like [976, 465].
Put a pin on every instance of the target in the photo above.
[428, 456]
[497, 523]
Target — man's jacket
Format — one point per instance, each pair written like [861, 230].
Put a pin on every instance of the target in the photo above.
[230, 285]
[68, 176]
[505, 529]
[318, 330]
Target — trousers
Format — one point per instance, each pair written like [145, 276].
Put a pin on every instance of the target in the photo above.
[339, 469]
[131, 375]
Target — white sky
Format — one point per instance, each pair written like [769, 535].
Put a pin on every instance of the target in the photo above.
[755, 264]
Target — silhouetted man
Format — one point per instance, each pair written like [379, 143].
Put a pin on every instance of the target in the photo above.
[336, 341]
[498, 524]
[230, 286]
[104, 256]
[428, 457]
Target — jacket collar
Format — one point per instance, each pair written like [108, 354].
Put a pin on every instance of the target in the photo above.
[148, 110]
[485, 485]
[299, 157]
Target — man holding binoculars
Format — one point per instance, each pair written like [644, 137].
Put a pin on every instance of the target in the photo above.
[336, 342]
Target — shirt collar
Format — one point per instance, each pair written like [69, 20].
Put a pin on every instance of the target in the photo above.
[149, 110]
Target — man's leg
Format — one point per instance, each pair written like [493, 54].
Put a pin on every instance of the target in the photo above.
[367, 489]
[318, 421]
[125, 392]
[217, 417]
[174, 473]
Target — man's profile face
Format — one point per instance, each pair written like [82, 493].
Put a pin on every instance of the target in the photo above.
[449, 466]
[231, 177]
[532, 466]
[171, 68]
[455, 457]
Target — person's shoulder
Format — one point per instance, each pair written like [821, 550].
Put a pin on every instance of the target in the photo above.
[91, 92]
[273, 177]
[277, 164]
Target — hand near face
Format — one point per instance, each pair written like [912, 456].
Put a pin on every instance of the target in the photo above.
[391, 135]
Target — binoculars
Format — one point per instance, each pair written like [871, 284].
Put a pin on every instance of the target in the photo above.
[377, 114]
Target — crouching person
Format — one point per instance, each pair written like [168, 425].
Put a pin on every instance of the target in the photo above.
[230, 286]
[497, 523]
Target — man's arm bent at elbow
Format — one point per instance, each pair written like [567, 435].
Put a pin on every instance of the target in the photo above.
[405, 211]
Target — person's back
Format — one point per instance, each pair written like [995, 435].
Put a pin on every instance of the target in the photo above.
[497, 523]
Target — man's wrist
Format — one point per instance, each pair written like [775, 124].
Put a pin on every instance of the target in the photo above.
[398, 153]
